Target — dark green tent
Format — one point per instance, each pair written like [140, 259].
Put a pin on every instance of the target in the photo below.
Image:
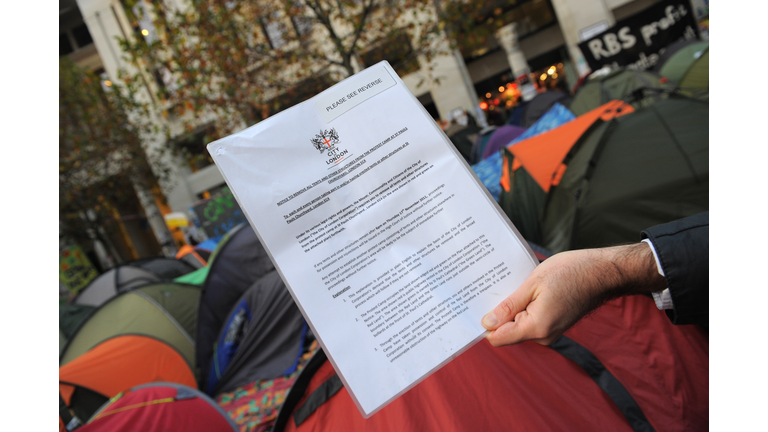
[70, 317]
[641, 88]
[618, 177]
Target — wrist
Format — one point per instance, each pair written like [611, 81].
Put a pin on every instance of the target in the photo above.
[634, 270]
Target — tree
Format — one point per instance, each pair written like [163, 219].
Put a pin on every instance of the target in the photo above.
[101, 159]
[231, 63]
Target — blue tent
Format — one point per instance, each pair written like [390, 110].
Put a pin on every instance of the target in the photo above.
[489, 170]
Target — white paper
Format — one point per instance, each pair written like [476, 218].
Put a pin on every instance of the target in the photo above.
[389, 244]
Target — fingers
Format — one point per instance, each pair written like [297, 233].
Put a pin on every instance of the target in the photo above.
[512, 332]
[508, 308]
[509, 322]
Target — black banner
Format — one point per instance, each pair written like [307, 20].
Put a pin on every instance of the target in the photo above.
[219, 214]
[636, 42]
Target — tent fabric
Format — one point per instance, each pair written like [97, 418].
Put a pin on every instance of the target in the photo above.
[189, 255]
[110, 283]
[621, 84]
[677, 65]
[62, 341]
[489, 170]
[543, 162]
[130, 275]
[160, 407]
[141, 311]
[501, 138]
[124, 362]
[164, 268]
[238, 262]
[263, 339]
[633, 172]
[71, 315]
[695, 83]
[480, 142]
[76, 405]
[531, 111]
[254, 406]
[664, 368]
[670, 50]
[197, 277]
[115, 365]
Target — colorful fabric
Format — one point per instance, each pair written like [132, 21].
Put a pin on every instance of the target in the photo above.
[254, 407]
[489, 170]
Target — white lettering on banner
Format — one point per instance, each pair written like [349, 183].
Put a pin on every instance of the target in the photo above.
[612, 43]
[672, 16]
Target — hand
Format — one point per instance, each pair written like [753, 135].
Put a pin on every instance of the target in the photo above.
[566, 287]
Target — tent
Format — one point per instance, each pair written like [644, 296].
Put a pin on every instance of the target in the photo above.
[197, 258]
[130, 275]
[604, 177]
[624, 367]
[688, 67]
[254, 406]
[166, 311]
[114, 365]
[158, 407]
[463, 140]
[205, 249]
[522, 198]
[500, 138]
[527, 113]
[262, 338]
[641, 88]
[70, 317]
[489, 170]
[238, 262]
[197, 277]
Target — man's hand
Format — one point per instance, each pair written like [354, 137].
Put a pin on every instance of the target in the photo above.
[566, 287]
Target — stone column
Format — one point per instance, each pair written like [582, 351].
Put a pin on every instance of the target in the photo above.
[507, 37]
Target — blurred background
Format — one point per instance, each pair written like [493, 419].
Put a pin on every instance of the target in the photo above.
[145, 85]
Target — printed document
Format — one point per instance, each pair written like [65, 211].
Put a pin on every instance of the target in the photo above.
[390, 245]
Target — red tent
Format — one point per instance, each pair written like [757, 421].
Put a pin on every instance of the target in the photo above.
[159, 407]
[623, 368]
[115, 365]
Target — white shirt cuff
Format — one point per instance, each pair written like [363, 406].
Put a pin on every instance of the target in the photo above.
[663, 298]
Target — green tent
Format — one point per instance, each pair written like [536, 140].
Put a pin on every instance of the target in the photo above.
[641, 88]
[688, 67]
[633, 172]
[70, 317]
[612, 178]
[197, 277]
[166, 311]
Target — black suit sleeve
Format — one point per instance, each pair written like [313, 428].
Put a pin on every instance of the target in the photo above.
[683, 250]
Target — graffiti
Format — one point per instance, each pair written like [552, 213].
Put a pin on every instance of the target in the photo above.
[75, 270]
[219, 214]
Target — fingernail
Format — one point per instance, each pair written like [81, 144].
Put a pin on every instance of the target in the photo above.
[490, 320]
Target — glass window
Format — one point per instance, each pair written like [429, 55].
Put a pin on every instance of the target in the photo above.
[82, 35]
[65, 46]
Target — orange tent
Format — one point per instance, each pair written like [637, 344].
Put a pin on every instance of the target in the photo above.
[543, 155]
[116, 365]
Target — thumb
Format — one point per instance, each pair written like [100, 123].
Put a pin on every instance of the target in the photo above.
[508, 308]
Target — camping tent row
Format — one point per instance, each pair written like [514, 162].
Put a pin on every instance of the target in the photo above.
[602, 178]
[138, 336]
[130, 275]
[146, 335]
